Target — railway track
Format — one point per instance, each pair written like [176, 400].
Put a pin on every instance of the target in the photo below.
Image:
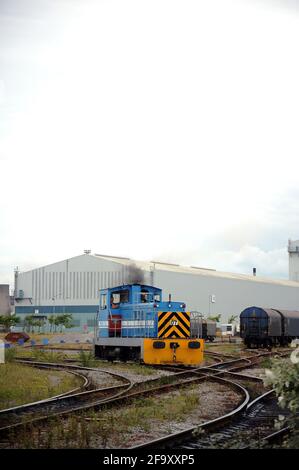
[254, 421]
[73, 402]
[67, 402]
[22, 416]
[172, 440]
[253, 427]
[218, 355]
[95, 399]
[249, 423]
[9, 436]
[70, 401]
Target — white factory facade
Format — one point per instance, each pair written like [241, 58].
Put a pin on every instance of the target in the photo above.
[72, 286]
[293, 250]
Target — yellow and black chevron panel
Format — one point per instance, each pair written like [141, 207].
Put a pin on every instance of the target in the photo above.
[173, 324]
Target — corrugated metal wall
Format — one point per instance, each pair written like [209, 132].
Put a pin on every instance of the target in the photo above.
[72, 285]
[75, 281]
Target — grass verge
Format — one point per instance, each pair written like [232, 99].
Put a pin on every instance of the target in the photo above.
[21, 384]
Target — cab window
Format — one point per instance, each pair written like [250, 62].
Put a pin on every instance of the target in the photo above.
[119, 297]
[144, 296]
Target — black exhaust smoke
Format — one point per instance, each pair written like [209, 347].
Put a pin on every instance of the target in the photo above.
[134, 275]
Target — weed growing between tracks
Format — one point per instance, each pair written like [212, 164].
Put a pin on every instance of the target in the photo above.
[255, 389]
[225, 348]
[42, 355]
[265, 363]
[87, 359]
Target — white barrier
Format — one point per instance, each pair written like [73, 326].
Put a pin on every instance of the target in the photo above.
[2, 355]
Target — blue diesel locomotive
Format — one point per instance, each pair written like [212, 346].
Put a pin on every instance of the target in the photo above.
[134, 323]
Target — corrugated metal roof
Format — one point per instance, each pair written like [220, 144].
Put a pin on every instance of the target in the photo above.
[289, 313]
[111, 256]
[271, 312]
[208, 272]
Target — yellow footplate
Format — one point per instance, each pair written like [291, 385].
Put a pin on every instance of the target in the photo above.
[184, 351]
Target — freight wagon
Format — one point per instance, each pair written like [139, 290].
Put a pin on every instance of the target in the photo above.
[268, 326]
[202, 327]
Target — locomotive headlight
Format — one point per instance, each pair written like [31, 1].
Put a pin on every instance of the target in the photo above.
[183, 305]
[169, 305]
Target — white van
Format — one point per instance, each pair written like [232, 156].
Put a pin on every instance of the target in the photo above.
[228, 329]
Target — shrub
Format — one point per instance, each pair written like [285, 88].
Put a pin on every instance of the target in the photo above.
[87, 358]
[284, 378]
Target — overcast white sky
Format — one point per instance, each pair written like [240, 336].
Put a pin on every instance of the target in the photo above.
[154, 129]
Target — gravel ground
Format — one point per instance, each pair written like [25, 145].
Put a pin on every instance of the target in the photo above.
[215, 400]
[72, 338]
[100, 379]
[256, 371]
[127, 372]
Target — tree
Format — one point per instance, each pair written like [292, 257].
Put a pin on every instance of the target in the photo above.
[51, 320]
[64, 319]
[40, 323]
[31, 321]
[9, 320]
[56, 322]
[232, 318]
[215, 318]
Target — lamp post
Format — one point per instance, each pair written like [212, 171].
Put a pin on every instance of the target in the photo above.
[53, 300]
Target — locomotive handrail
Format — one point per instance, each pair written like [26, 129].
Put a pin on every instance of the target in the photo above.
[135, 313]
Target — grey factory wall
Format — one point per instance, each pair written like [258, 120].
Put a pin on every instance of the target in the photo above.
[231, 295]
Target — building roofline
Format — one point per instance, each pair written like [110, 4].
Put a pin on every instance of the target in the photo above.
[111, 256]
[176, 268]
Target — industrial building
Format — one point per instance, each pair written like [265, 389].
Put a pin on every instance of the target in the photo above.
[72, 286]
[293, 250]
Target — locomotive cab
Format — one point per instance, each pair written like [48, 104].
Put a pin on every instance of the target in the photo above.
[135, 324]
